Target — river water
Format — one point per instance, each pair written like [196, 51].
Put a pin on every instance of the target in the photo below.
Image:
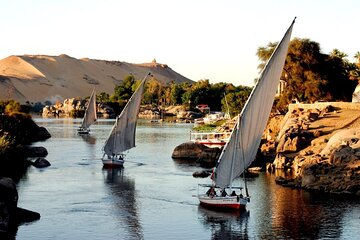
[152, 197]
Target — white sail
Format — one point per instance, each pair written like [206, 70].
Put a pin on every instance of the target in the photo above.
[245, 139]
[122, 136]
[90, 112]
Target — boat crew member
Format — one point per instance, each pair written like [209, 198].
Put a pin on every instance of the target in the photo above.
[223, 193]
[211, 192]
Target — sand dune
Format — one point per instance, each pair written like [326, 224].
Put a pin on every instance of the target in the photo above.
[38, 78]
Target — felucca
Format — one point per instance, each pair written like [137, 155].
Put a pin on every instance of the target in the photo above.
[90, 115]
[122, 135]
[240, 151]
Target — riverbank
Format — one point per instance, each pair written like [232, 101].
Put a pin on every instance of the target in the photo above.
[317, 145]
[17, 132]
[75, 108]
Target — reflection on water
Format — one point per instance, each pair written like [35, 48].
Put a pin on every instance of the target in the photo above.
[123, 188]
[298, 214]
[185, 165]
[225, 225]
[88, 138]
[294, 216]
[77, 199]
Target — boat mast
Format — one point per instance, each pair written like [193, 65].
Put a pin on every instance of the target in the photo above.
[227, 106]
[114, 138]
[233, 159]
[243, 158]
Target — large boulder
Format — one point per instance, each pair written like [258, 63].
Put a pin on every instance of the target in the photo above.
[149, 114]
[41, 134]
[8, 204]
[197, 152]
[356, 94]
[337, 168]
[295, 136]
[347, 137]
[10, 215]
[31, 151]
[188, 150]
[41, 163]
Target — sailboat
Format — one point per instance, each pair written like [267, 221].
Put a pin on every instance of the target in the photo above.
[122, 135]
[90, 115]
[240, 151]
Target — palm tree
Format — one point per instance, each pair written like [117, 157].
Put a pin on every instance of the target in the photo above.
[336, 53]
[357, 57]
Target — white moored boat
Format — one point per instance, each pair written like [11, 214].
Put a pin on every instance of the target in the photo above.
[210, 139]
[240, 151]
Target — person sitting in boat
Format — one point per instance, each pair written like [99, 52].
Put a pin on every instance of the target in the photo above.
[233, 193]
[211, 192]
[223, 193]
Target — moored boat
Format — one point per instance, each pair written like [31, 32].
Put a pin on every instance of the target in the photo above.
[210, 139]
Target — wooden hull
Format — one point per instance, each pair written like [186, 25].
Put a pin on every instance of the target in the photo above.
[83, 131]
[223, 203]
[113, 161]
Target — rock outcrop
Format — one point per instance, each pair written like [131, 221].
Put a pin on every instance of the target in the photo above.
[337, 168]
[197, 152]
[75, 108]
[41, 163]
[10, 214]
[8, 203]
[18, 132]
[322, 149]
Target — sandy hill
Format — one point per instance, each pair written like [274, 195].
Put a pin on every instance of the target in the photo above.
[37, 78]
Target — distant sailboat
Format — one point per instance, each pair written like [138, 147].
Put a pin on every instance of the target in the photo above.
[122, 135]
[90, 115]
[244, 142]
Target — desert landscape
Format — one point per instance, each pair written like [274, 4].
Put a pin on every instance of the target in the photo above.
[40, 78]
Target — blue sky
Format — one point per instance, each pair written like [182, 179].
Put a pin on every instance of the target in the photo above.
[200, 39]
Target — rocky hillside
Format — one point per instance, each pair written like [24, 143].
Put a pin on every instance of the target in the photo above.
[320, 145]
[40, 78]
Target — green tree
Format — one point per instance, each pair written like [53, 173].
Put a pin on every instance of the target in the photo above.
[9, 107]
[176, 93]
[186, 99]
[125, 89]
[311, 75]
[102, 97]
[357, 57]
[336, 53]
[236, 100]
[216, 95]
[153, 92]
[337, 70]
[200, 92]
[166, 97]
[355, 70]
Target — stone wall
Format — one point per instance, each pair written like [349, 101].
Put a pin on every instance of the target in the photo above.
[322, 105]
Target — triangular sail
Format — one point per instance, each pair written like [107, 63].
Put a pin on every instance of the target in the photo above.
[122, 136]
[90, 112]
[245, 139]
